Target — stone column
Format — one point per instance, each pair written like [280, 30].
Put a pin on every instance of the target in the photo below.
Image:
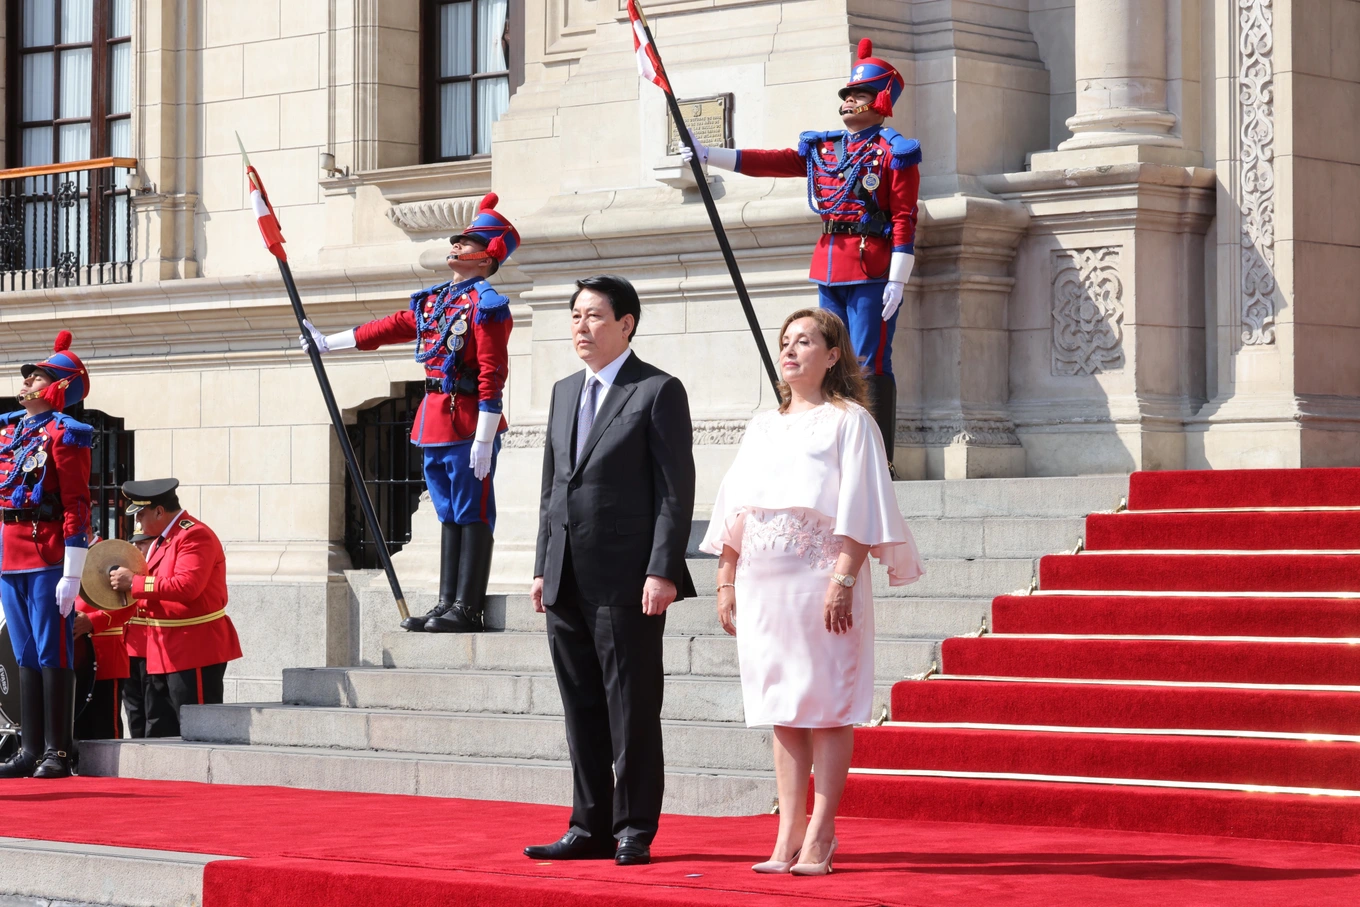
[1121, 76]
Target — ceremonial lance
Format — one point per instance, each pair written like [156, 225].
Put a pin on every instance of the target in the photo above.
[273, 241]
[654, 71]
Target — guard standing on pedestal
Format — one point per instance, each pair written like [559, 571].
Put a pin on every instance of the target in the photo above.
[45, 502]
[181, 607]
[462, 332]
[863, 180]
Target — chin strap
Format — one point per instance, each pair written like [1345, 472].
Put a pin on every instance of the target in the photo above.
[473, 256]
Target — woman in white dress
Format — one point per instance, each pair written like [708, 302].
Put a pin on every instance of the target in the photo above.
[807, 500]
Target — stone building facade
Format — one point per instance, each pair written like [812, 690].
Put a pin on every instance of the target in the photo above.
[1139, 241]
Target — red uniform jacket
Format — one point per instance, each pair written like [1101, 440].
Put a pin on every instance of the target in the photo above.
[56, 489]
[110, 653]
[471, 378]
[182, 601]
[890, 164]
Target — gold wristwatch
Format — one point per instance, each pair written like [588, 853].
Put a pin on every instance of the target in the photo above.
[845, 580]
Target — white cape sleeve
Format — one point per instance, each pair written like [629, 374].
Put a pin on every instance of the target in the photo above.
[866, 506]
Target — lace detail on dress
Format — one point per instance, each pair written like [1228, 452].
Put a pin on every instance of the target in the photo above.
[806, 537]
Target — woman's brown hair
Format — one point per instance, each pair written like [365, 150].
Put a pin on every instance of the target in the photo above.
[844, 380]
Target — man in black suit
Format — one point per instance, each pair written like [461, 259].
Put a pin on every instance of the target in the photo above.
[614, 522]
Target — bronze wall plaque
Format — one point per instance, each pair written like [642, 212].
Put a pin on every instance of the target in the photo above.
[710, 118]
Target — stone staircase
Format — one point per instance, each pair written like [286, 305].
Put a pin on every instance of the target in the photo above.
[480, 716]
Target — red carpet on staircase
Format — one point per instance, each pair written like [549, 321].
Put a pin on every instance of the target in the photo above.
[307, 848]
[1195, 669]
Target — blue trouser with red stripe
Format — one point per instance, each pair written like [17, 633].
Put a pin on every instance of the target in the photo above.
[860, 306]
[457, 494]
[41, 637]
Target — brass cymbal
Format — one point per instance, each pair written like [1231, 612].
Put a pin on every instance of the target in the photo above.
[94, 579]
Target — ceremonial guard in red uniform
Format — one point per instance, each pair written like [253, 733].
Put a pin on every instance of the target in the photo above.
[863, 180]
[462, 332]
[45, 502]
[181, 607]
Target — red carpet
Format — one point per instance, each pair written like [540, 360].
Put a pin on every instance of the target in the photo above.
[1128, 705]
[1243, 760]
[1249, 488]
[324, 849]
[1140, 659]
[1129, 615]
[1315, 530]
[1279, 649]
[1201, 572]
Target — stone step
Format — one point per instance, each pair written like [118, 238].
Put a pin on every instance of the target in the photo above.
[689, 698]
[708, 655]
[689, 744]
[944, 578]
[923, 618]
[688, 791]
[995, 537]
[60, 874]
[1052, 498]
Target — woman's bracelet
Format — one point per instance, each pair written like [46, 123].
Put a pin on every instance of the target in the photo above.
[732, 586]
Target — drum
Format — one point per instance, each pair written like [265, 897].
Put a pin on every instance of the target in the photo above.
[9, 695]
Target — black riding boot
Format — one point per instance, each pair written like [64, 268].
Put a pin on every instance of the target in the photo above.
[23, 763]
[450, 544]
[883, 400]
[59, 707]
[466, 614]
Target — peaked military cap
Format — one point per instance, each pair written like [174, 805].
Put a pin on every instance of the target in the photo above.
[149, 493]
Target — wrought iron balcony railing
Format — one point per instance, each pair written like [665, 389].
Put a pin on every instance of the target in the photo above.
[66, 225]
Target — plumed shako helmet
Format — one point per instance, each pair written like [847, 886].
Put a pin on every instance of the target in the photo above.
[872, 74]
[70, 381]
[491, 227]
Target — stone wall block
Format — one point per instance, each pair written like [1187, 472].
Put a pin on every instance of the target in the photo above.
[261, 456]
[233, 511]
[202, 456]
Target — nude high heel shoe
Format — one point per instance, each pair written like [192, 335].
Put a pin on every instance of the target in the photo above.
[776, 867]
[816, 869]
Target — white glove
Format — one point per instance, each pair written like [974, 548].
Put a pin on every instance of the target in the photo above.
[484, 441]
[68, 587]
[892, 299]
[325, 343]
[722, 158]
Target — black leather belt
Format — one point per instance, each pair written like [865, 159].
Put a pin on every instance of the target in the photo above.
[49, 510]
[854, 228]
[466, 385]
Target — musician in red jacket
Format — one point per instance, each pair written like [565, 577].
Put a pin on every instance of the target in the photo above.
[102, 718]
[462, 331]
[181, 606]
[863, 180]
[45, 502]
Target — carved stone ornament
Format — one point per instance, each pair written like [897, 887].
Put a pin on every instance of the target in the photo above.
[1256, 138]
[437, 216]
[973, 432]
[1088, 312]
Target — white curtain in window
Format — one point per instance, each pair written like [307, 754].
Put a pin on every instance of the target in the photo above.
[493, 96]
[490, 36]
[37, 147]
[120, 19]
[455, 39]
[75, 83]
[455, 119]
[77, 21]
[120, 78]
[73, 142]
[40, 19]
[38, 87]
[120, 141]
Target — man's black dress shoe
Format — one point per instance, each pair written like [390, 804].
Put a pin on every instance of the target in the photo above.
[572, 846]
[633, 852]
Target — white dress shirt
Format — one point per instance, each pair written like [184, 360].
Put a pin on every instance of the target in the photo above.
[606, 376]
